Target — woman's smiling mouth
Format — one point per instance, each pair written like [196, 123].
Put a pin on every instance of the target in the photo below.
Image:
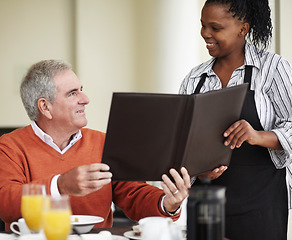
[210, 45]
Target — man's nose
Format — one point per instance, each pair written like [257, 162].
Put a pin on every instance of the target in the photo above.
[83, 98]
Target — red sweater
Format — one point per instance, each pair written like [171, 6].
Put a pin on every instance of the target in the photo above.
[25, 158]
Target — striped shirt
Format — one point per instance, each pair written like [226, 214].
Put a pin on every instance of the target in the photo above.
[272, 84]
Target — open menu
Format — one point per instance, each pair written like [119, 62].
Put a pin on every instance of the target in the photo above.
[147, 133]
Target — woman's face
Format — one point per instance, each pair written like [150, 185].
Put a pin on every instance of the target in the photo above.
[223, 34]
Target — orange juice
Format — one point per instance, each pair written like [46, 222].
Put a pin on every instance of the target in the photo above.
[31, 209]
[57, 224]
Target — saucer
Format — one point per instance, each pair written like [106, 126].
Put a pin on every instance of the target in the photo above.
[93, 236]
[131, 235]
[5, 236]
[36, 236]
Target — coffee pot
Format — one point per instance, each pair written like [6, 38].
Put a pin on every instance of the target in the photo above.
[206, 213]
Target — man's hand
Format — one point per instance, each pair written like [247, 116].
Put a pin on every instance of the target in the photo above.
[175, 192]
[84, 179]
[214, 174]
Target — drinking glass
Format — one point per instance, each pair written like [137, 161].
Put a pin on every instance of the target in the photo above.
[31, 205]
[56, 217]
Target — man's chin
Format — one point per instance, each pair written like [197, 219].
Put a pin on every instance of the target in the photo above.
[83, 123]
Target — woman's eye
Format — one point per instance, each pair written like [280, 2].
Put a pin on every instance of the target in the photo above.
[216, 29]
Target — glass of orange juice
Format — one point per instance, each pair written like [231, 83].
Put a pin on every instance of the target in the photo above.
[31, 205]
[56, 217]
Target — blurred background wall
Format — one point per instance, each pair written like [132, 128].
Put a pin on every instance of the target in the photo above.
[113, 45]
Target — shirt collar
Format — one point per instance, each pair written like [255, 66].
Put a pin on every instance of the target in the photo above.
[252, 56]
[49, 140]
[205, 68]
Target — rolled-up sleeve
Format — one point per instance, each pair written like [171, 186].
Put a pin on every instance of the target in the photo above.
[280, 94]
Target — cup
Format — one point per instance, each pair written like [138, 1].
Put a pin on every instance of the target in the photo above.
[159, 228]
[19, 227]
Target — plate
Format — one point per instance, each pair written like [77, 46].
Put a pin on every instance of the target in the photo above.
[85, 219]
[84, 223]
[36, 236]
[131, 235]
[93, 236]
[116, 237]
[4, 236]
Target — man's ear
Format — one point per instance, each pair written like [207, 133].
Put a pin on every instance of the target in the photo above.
[44, 107]
[244, 29]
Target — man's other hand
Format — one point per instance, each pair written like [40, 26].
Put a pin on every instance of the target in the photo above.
[85, 179]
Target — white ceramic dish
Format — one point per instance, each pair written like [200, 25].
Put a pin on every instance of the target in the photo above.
[84, 223]
[41, 237]
[116, 237]
[37, 236]
[4, 236]
[95, 236]
[184, 230]
[131, 235]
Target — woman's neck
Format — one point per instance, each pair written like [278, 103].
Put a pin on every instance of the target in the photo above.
[224, 67]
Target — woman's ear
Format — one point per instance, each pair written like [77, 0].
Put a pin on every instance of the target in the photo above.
[244, 28]
[44, 107]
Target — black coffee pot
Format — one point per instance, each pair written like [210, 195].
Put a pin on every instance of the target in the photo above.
[206, 213]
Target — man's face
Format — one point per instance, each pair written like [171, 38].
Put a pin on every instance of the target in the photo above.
[68, 110]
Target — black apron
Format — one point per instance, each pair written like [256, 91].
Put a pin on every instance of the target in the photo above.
[256, 193]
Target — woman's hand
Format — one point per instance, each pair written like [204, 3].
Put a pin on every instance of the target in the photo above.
[241, 131]
[217, 172]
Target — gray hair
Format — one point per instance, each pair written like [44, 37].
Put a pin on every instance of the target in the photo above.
[38, 83]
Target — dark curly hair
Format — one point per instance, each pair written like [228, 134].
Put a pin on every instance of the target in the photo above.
[255, 12]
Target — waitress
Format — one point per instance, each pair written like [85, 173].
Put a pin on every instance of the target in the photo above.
[236, 33]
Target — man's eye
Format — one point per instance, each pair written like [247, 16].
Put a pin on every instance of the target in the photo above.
[72, 94]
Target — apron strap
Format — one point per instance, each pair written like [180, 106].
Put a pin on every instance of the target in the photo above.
[200, 84]
[247, 74]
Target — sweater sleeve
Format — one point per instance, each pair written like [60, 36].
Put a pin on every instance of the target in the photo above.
[139, 200]
[14, 172]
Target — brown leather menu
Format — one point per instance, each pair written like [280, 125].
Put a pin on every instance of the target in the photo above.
[147, 134]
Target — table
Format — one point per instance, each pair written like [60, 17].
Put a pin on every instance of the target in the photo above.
[114, 230]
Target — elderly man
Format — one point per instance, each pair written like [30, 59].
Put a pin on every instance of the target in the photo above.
[56, 150]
